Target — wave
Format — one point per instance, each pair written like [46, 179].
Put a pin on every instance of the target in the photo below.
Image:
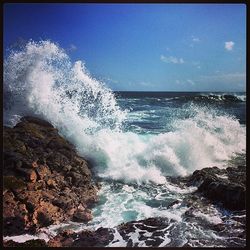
[224, 98]
[40, 80]
[203, 140]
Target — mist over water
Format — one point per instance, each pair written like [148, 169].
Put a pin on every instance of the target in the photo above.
[40, 80]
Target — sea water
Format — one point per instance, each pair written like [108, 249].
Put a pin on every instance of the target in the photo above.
[135, 140]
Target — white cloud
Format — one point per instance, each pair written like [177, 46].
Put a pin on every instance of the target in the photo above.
[229, 45]
[191, 82]
[195, 39]
[172, 59]
[145, 84]
[181, 60]
[72, 47]
[197, 65]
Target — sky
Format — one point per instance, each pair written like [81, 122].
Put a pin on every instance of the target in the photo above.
[143, 47]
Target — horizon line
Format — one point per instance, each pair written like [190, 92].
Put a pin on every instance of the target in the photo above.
[176, 91]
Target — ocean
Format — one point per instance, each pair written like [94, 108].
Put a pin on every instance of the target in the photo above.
[135, 140]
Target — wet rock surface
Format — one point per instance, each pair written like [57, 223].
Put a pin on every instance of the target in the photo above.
[150, 232]
[100, 237]
[224, 186]
[28, 243]
[44, 180]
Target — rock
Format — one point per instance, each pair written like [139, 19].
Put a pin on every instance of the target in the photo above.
[67, 168]
[29, 243]
[51, 183]
[63, 239]
[9, 204]
[69, 180]
[45, 180]
[43, 171]
[150, 225]
[13, 183]
[45, 214]
[173, 203]
[82, 215]
[38, 185]
[59, 143]
[62, 202]
[34, 164]
[77, 179]
[35, 120]
[29, 174]
[99, 238]
[15, 215]
[226, 186]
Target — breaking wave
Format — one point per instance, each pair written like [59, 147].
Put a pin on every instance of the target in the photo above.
[41, 80]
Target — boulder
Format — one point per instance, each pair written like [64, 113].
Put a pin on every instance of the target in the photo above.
[99, 238]
[226, 186]
[28, 243]
[37, 192]
[82, 215]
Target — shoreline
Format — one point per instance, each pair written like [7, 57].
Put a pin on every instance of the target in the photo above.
[46, 182]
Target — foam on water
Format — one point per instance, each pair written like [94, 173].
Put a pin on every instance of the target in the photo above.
[214, 219]
[26, 237]
[224, 96]
[40, 80]
[120, 203]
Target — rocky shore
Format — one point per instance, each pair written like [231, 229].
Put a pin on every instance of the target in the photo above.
[46, 182]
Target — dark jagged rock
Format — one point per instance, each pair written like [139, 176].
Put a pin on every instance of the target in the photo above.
[151, 231]
[227, 186]
[45, 181]
[99, 238]
[82, 215]
[150, 224]
[36, 120]
[28, 243]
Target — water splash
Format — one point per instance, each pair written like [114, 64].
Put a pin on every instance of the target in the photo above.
[40, 80]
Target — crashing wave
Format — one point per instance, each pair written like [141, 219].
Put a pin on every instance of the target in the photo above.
[40, 80]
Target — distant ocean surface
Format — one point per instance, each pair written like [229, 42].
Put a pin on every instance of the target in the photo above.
[153, 112]
[135, 140]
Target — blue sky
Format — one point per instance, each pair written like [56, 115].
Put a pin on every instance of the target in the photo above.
[150, 47]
